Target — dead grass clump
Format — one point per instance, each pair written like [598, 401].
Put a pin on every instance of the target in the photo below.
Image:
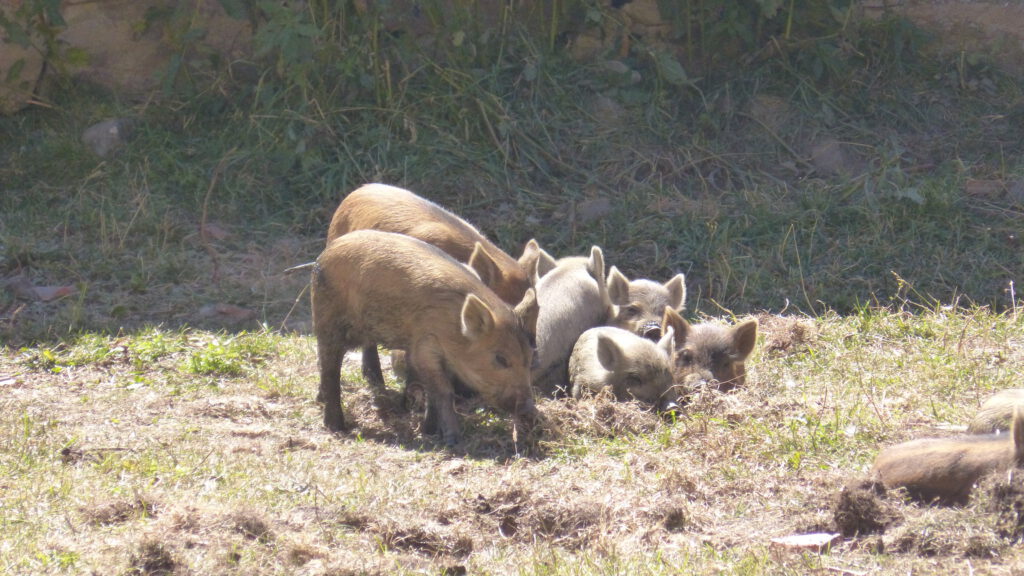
[862, 509]
[675, 519]
[784, 335]
[378, 416]
[151, 558]
[945, 532]
[1005, 495]
[251, 524]
[234, 408]
[117, 511]
[572, 525]
[600, 416]
[428, 540]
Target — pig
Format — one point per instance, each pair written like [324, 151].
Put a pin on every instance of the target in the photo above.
[944, 470]
[997, 412]
[631, 367]
[392, 209]
[639, 304]
[575, 296]
[373, 287]
[710, 354]
[574, 299]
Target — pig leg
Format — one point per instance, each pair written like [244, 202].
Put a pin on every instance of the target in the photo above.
[371, 368]
[426, 361]
[330, 350]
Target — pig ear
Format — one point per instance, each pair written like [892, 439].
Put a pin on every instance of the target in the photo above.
[596, 270]
[484, 265]
[671, 320]
[595, 266]
[667, 342]
[618, 287]
[744, 337]
[527, 311]
[477, 318]
[545, 263]
[676, 291]
[535, 261]
[608, 352]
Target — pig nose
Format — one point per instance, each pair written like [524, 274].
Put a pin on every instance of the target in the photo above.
[651, 331]
[670, 408]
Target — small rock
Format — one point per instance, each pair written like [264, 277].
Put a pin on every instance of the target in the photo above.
[984, 188]
[106, 137]
[593, 209]
[816, 543]
[226, 312]
[829, 157]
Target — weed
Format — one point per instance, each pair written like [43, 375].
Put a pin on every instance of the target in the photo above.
[229, 355]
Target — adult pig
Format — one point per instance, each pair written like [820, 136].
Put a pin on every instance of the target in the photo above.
[373, 287]
[630, 366]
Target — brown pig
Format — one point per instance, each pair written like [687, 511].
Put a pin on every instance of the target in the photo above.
[639, 304]
[944, 470]
[373, 287]
[710, 354]
[392, 209]
[630, 366]
[574, 299]
[997, 412]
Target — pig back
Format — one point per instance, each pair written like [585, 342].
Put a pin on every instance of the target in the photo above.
[390, 288]
[392, 209]
[943, 469]
[997, 412]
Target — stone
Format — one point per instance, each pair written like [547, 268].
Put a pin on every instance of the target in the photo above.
[130, 44]
[107, 137]
[20, 66]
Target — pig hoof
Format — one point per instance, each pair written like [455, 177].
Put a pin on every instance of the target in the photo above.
[334, 423]
[375, 380]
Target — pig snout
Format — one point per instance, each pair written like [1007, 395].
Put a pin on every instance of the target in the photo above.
[651, 331]
[700, 381]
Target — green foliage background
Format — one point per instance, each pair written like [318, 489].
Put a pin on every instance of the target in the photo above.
[495, 119]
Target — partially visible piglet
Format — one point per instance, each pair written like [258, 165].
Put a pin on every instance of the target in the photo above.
[373, 287]
[639, 304]
[944, 470]
[710, 354]
[996, 413]
[630, 366]
[573, 299]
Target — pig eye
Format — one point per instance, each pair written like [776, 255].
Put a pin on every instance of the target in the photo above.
[501, 361]
[686, 357]
[631, 311]
[633, 382]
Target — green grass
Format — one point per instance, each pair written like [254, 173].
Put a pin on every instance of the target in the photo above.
[241, 475]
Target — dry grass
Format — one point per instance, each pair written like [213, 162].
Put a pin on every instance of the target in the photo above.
[103, 474]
